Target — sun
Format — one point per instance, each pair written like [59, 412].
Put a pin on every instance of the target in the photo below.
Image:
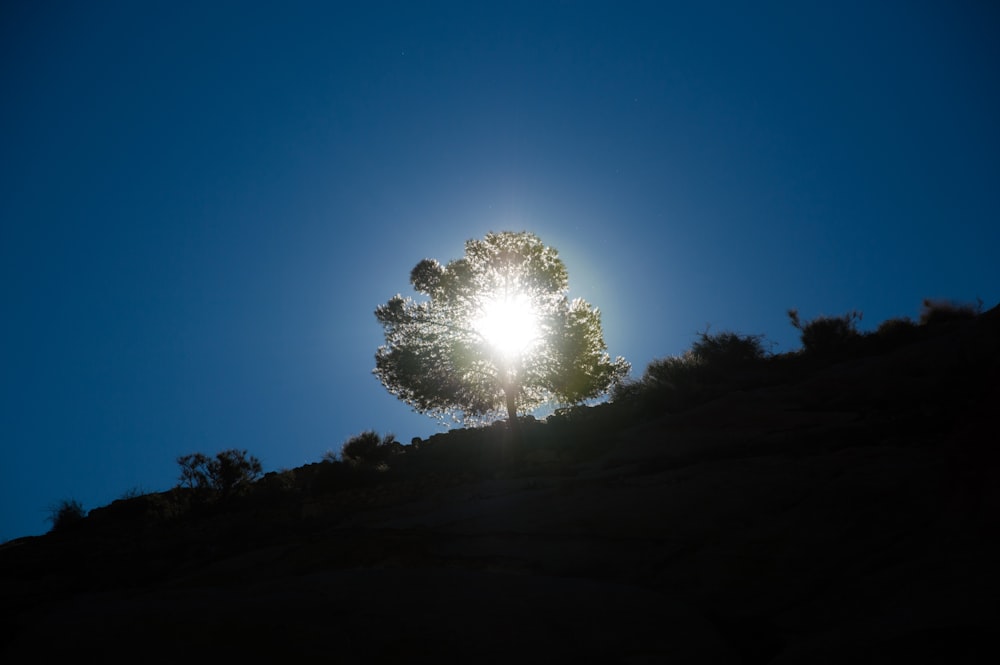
[508, 324]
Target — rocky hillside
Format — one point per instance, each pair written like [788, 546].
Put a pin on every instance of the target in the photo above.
[836, 509]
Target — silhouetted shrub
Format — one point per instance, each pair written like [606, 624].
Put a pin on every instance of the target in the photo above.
[676, 372]
[667, 383]
[944, 311]
[892, 332]
[229, 472]
[893, 326]
[369, 450]
[827, 334]
[700, 372]
[65, 514]
[622, 392]
[728, 350]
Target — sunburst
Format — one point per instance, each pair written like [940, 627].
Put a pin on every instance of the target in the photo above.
[508, 323]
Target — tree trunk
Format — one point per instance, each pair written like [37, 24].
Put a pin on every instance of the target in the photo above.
[510, 394]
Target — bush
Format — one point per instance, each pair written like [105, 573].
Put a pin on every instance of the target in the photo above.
[892, 332]
[945, 311]
[699, 369]
[622, 391]
[827, 334]
[229, 472]
[676, 372]
[368, 450]
[65, 514]
[892, 327]
[728, 350]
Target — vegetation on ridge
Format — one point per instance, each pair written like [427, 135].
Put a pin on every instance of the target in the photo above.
[716, 364]
[230, 472]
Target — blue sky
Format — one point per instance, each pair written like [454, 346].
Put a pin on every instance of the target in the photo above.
[203, 203]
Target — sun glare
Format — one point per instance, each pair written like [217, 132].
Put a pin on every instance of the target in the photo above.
[510, 325]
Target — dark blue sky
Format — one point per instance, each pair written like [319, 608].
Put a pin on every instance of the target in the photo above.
[203, 203]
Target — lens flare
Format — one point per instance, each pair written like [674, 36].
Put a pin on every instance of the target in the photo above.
[508, 324]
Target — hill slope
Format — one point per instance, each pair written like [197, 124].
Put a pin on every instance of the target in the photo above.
[821, 511]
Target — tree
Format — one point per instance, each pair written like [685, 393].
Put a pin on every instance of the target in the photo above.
[496, 334]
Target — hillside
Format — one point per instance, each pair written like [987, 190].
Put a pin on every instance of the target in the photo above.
[839, 509]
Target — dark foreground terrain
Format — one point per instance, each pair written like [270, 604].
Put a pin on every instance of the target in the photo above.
[842, 510]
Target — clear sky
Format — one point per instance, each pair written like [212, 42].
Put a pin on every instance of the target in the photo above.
[202, 203]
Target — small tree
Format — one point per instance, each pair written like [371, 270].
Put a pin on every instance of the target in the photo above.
[229, 472]
[496, 335]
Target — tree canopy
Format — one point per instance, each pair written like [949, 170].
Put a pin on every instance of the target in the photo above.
[497, 334]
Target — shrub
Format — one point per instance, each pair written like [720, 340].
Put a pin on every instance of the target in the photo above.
[893, 326]
[622, 391]
[727, 350]
[368, 450]
[702, 370]
[668, 384]
[827, 334]
[896, 331]
[66, 513]
[229, 472]
[677, 372]
[945, 311]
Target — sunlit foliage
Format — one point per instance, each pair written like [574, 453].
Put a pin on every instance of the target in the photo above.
[497, 333]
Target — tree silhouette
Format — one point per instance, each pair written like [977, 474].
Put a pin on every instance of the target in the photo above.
[497, 334]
